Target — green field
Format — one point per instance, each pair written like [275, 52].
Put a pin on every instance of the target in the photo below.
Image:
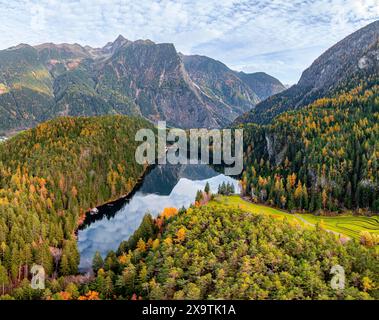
[347, 225]
[351, 226]
[238, 202]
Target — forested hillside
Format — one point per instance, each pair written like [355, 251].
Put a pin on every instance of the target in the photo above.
[220, 252]
[323, 157]
[49, 177]
[342, 66]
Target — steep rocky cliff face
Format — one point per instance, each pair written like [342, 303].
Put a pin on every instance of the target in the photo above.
[124, 77]
[154, 77]
[262, 84]
[342, 66]
[220, 83]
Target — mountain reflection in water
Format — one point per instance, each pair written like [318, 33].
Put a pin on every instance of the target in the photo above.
[164, 186]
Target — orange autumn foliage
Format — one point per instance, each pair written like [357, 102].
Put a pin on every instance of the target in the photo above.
[65, 295]
[90, 295]
[123, 259]
[180, 235]
[169, 212]
[166, 214]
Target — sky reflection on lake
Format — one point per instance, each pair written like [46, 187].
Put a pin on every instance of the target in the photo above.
[106, 234]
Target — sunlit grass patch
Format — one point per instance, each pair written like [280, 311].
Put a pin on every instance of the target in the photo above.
[237, 202]
[351, 226]
[348, 225]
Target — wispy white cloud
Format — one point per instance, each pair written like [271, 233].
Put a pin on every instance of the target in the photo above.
[277, 36]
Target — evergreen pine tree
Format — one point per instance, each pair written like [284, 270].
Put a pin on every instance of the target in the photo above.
[64, 266]
[207, 188]
[97, 262]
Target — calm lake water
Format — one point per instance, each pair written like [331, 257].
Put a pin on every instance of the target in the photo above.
[164, 186]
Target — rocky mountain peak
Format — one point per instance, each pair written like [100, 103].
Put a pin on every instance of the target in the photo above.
[351, 59]
[139, 78]
[358, 51]
[111, 47]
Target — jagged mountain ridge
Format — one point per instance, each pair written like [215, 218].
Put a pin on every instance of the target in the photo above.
[139, 78]
[344, 65]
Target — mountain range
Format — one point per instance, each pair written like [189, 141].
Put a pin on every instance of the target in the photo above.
[142, 78]
[319, 157]
[139, 78]
[341, 67]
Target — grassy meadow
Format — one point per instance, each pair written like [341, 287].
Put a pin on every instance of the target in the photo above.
[348, 225]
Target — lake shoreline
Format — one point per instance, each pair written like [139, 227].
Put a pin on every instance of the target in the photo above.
[115, 201]
[163, 187]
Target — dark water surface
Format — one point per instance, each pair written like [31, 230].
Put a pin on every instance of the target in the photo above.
[164, 186]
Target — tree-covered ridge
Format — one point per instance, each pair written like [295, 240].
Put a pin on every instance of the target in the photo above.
[220, 252]
[49, 177]
[324, 157]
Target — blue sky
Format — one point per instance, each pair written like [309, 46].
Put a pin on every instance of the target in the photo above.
[280, 37]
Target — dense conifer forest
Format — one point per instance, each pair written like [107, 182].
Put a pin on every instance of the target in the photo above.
[219, 252]
[49, 177]
[323, 158]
